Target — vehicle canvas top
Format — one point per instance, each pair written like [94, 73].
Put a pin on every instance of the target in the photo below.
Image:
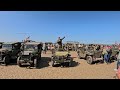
[32, 43]
[8, 43]
[30, 47]
[7, 46]
[11, 42]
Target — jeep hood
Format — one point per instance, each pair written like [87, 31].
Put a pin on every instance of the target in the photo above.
[3, 49]
[61, 53]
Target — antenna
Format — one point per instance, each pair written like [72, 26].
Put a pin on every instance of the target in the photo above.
[25, 35]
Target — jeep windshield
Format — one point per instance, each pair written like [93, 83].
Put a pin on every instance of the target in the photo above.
[30, 48]
[7, 46]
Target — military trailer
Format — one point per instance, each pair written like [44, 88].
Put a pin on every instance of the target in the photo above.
[89, 55]
[9, 52]
[63, 58]
[30, 55]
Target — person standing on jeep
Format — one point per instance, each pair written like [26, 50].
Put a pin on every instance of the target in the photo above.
[59, 41]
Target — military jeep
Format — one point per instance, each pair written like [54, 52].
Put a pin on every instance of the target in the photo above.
[30, 54]
[63, 58]
[9, 52]
[89, 55]
[115, 51]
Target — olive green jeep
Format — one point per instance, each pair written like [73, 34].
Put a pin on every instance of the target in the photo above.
[9, 52]
[30, 55]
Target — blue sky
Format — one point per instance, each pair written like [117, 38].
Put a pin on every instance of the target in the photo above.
[82, 26]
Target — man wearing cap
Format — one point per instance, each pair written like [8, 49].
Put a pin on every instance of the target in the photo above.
[59, 41]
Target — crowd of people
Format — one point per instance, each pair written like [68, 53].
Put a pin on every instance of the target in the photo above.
[106, 50]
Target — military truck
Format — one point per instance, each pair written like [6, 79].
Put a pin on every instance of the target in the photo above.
[30, 54]
[9, 52]
[63, 58]
[89, 54]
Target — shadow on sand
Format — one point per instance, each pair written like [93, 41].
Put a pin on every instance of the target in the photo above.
[73, 64]
[12, 62]
[44, 62]
[100, 61]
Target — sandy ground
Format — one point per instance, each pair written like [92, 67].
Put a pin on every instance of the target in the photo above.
[79, 70]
